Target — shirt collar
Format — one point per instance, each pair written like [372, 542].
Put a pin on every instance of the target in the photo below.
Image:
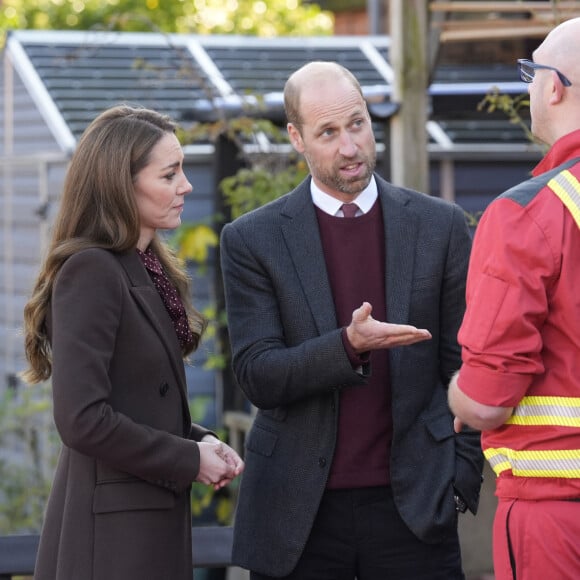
[330, 205]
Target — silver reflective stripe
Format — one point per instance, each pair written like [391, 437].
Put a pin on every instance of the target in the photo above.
[558, 411]
[554, 463]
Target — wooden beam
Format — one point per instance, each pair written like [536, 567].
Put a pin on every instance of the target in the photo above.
[475, 34]
[505, 7]
[491, 21]
[408, 55]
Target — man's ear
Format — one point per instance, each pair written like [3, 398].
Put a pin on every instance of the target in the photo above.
[295, 138]
[557, 89]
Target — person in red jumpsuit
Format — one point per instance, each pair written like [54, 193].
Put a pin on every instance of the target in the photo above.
[519, 382]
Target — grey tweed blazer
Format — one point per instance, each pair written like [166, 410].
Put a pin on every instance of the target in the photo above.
[289, 360]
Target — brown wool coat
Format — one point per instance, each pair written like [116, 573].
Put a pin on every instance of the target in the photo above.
[119, 507]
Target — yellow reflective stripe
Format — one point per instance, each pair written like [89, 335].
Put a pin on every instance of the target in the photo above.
[497, 460]
[558, 411]
[562, 401]
[567, 188]
[560, 463]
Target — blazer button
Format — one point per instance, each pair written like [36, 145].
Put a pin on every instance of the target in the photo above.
[163, 389]
[322, 462]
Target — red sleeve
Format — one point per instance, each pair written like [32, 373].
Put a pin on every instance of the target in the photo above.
[510, 268]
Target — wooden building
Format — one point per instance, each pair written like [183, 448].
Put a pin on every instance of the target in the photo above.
[54, 83]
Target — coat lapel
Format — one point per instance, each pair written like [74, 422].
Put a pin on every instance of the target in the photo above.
[148, 298]
[305, 247]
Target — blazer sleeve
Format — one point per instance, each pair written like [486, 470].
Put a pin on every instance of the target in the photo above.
[279, 354]
[469, 457]
[87, 312]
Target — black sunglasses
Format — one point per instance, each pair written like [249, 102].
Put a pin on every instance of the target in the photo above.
[528, 69]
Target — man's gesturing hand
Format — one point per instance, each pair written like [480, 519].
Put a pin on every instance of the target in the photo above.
[365, 333]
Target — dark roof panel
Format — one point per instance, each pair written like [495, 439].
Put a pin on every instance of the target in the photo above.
[83, 80]
[255, 70]
[190, 77]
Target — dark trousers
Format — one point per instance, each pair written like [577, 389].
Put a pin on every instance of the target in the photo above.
[358, 533]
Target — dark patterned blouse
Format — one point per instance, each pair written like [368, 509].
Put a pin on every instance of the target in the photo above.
[170, 297]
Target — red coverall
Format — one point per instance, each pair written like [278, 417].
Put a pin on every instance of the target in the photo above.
[521, 348]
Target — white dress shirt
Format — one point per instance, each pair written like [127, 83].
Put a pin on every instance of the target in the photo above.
[332, 206]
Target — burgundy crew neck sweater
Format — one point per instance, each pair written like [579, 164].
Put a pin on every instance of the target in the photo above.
[354, 250]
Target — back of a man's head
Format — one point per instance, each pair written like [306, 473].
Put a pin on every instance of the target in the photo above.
[555, 108]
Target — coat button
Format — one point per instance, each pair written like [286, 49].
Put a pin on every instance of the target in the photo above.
[322, 461]
[163, 389]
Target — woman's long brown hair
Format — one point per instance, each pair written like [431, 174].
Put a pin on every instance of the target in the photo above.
[98, 210]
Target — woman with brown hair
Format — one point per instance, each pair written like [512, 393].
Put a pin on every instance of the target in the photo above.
[110, 320]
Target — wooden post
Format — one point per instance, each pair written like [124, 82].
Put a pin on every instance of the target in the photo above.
[227, 162]
[408, 56]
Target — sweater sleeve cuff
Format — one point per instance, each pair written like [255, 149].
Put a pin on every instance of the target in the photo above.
[358, 361]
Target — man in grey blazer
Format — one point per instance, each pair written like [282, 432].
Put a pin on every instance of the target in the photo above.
[343, 333]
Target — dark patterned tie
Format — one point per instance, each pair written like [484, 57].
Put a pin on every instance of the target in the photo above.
[349, 210]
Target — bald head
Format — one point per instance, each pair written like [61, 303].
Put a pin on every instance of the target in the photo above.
[314, 73]
[561, 48]
[555, 108]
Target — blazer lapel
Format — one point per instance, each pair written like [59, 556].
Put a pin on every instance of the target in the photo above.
[400, 233]
[302, 237]
[305, 247]
[400, 227]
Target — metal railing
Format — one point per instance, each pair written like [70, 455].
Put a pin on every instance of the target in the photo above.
[211, 545]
